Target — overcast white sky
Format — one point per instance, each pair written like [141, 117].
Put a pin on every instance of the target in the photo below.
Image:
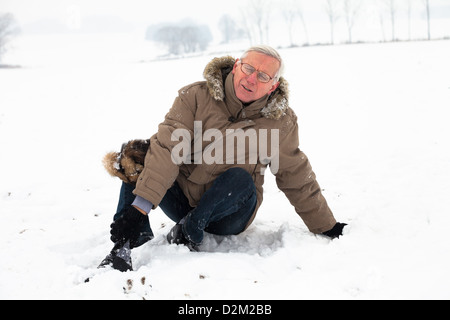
[138, 11]
[146, 10]
[138, 14]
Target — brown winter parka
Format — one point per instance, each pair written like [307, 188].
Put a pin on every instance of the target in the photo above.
[212, 105]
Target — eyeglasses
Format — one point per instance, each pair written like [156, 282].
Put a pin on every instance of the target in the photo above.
[249, 70]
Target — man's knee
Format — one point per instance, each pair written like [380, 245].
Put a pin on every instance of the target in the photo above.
[239, 180]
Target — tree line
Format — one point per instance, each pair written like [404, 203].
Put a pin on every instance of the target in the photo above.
[257, 17]
[179, 38]
[256, 20]
[8, 28]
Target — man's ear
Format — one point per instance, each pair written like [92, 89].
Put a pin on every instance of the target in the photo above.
[274, 87]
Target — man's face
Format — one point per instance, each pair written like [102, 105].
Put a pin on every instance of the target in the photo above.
[247, 87]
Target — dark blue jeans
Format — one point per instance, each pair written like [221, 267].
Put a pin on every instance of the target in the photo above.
[225, 209]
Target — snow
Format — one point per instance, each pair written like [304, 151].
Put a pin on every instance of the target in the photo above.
[373, 121]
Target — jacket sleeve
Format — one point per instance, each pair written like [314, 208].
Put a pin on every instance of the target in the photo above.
[297, 180]
[160, 171]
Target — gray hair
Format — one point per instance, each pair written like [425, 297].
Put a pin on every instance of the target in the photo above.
[268, 51]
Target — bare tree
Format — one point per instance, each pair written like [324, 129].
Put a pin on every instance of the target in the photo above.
[170, 37]
[183, 39]
[409, 9]
[229, 29]
[427, 7]
[331, 8]
[247, 27]
[302, 19]
[8, 28]
[292, 11]
[189, 39]
[381, 17]
[289, 15]
[256, 20]
[351, 10]
[392, 6]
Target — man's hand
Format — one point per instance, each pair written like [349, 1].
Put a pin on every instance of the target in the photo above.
[127, 226]
[336, 232]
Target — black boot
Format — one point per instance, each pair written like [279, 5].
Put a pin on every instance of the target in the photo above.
[176, 236]
[119, 258]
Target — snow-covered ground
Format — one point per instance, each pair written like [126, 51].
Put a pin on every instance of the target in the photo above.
[374, 123]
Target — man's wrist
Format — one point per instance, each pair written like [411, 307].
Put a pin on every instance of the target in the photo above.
[143, 205]
[140, 210]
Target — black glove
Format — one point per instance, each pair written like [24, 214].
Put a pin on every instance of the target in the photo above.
[336, 231]
[127, 227]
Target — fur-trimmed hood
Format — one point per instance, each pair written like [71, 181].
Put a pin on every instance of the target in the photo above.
[129, 162]
[219, 68]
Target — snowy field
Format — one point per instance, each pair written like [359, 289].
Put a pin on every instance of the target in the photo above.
[374, 122]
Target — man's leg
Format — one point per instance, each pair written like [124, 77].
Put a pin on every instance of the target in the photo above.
[126, 198]
[175, 204]
[225, 209]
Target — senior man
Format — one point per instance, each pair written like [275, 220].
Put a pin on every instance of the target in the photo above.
[195, 172]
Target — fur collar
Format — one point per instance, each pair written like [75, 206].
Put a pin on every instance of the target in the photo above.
[218, 69]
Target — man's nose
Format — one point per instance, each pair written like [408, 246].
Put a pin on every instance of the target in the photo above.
[253, 78]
